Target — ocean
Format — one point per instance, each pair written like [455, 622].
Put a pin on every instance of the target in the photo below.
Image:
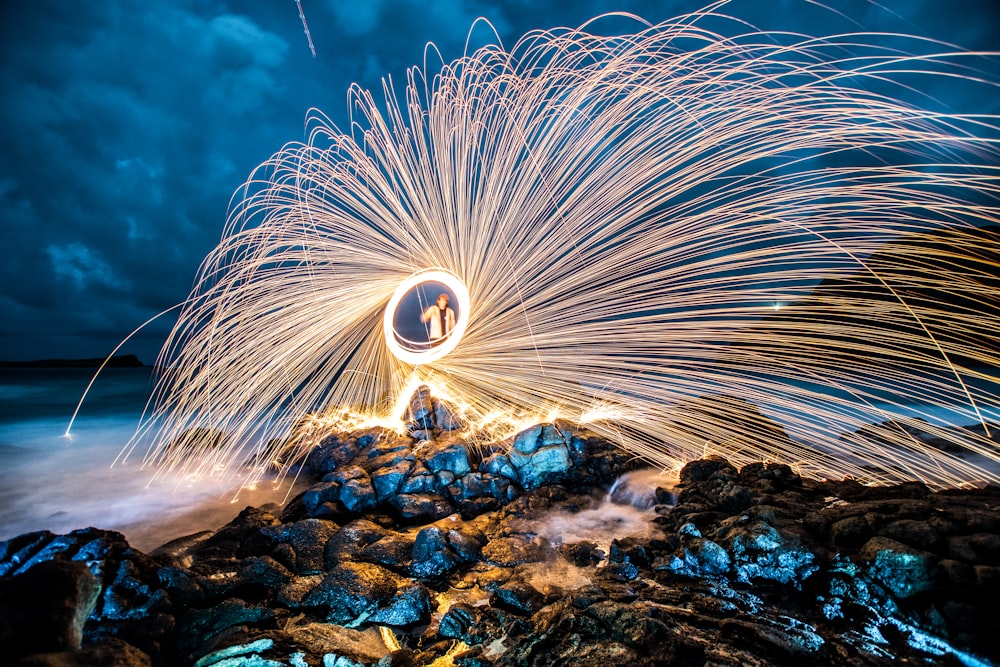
[51, 482]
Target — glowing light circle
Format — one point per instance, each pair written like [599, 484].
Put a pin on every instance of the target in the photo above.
[392, 337]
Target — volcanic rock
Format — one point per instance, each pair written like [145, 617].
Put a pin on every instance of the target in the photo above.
[433, 540]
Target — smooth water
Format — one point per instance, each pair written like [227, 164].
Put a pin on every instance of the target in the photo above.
[50, 482]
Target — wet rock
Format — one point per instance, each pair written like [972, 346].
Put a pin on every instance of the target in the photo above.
[432, 556]
[410, 605]
[478, 625]
[333, 451]
[228, 542]
[265, 571]
[769, 477]
[421, 506]
[778, 641]
[540, 456]
[180, 552]
[700, 556]
[320, 502]
[853, 531]
[387, 480]
[498, 464]
[355, 491]
[903, 570]
[760, 551]
[196, 626]
[545, 466]
[917, 534]
[293, 592]
[582, 554]
[17, 551]
[519, 597]
[704, 469]
[450, 456]
[318, 640]
[308, 538]
[44, 608]
[508, 551]
[349, 542]
[420, 415]
[439, 550]
[457, 621]
[446, 416]
[420, 480]
[133, 592]
[977, 549]
[109, 652]
[394, 550]
[355, 592]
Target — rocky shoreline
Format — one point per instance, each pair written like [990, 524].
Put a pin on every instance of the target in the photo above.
[420, 549]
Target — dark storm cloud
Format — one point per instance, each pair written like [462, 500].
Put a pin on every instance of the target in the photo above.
[126, 126]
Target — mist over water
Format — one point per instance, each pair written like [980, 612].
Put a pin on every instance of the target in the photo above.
[49, 482]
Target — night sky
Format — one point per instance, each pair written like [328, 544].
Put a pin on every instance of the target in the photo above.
[128, 125]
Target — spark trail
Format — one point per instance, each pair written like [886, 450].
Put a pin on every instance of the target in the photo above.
[661, 233]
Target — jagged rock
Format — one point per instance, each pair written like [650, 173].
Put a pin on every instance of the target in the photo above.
[582, 554]
[439, 550]
[498, 464]
[352, 538]
[110, 652]
[349, 485]
[180, 552]
[853, 531]
[308, 538]
[411, 605]
[387, 480]
[769, 477]
[265, 571]
[293, 592]
[517, 596]
[230, 541]
[701, 556]
[780, 641]
[977, 549]
[759, 551]
[394, 550]
[903, 570]
[356, 592]
[196, 626]
[44, 608]
[421, 506]
[446, 417]
[446, 456]
[133, 592]
[753, 567]
[17, 551]
[540, 456]
[322, 639]
[917, 534]
[421, 410]
[476, 625]
[704, 469]
[420, 480]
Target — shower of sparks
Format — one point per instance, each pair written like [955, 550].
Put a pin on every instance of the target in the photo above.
[661, 234]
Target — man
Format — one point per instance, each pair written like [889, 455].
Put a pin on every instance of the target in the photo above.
[441, 317]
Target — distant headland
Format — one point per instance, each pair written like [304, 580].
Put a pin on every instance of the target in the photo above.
[123, 361]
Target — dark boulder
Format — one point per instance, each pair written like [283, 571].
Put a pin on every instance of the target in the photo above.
[44, 609]
[905, 571]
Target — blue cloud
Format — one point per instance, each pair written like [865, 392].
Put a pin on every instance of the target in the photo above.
[126, 126]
